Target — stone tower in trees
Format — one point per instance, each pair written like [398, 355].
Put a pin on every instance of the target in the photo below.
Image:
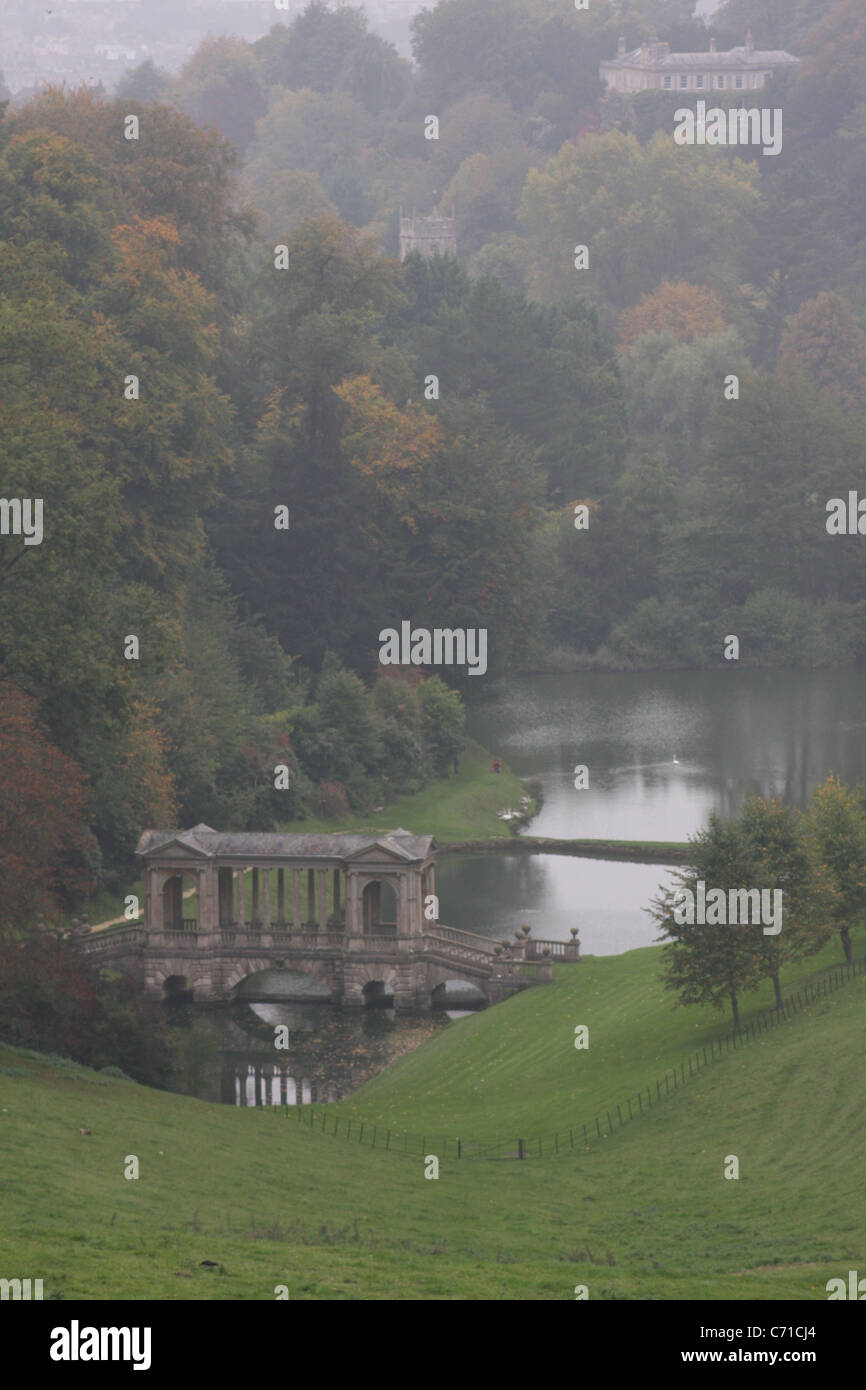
[428, 235]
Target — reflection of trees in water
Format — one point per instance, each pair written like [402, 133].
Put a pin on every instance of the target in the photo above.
[480, 882]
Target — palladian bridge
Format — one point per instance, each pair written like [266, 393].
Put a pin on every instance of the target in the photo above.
[355, 914]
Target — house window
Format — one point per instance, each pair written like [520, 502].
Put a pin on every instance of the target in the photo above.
[738, 83]
[669, 82]
[684, 82]
[699, 82]
[720, 81]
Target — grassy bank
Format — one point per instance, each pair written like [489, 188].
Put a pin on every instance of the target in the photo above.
[516, 1065]
[646, 1213]
[630, 851]
[463, 806]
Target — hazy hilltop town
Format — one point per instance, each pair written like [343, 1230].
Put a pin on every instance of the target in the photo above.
[95, 41]
[432, 651]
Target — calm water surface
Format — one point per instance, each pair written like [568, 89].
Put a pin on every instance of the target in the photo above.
[663, 751]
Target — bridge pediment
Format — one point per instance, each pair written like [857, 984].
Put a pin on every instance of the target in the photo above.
[180, 848]
[377, 856]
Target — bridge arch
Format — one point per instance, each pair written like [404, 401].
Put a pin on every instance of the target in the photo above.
[177, 987]
[259, 982]
[379, 907]
[177, 914]
[378, 994]
[458, 992]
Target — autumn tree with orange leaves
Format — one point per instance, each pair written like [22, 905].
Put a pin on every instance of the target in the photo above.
[45, 846]
[686, 311]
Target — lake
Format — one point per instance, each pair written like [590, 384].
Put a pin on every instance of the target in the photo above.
[663, 750]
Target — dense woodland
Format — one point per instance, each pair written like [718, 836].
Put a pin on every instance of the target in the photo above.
[304, 388]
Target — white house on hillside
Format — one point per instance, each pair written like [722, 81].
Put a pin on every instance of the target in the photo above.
[653, 65]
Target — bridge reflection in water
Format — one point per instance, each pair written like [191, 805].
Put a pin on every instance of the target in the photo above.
[270, 1085]
[330, 1051]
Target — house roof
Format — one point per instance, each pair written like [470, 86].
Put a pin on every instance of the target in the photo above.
[734, 59]
[202, 840]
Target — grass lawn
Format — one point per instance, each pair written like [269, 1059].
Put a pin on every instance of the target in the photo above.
[645, 1213]
[463, 806]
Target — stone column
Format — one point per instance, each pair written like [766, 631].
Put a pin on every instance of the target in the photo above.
[414, 902]
[354, 924]
[281, 897]
[323, 900]
[266, 899]
[239, 880]
[255, 914]
[225, 906]
[311, 895]
[296, 903]
[404, 925]
[202, 898]
[337, 896]
[159, 899]
[153, 908]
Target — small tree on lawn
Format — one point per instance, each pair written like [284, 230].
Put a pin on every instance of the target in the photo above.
[835, 824]
[705, 963]
[780, 854]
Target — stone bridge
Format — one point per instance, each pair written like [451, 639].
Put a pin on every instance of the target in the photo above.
[354, 920]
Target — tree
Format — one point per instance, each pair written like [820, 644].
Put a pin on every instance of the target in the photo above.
[705, 963]
[324, 134]
[776, 23]
[447, 507]
[686, 311]
[221, 85]
[178, 171]
[782, 863]
[375, 75]
[145, 83]
[44, 842]
[836, 835]
[290, 197]
[547, 374]
[831, 78]
[645, 213]
[673, 390]
[53, 999]
[826, 342]
[443, 720]
[756, 507]
[762, 851]
[312, 51]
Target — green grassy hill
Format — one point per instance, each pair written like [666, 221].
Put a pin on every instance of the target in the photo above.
[514, 1070]
[645, 1213]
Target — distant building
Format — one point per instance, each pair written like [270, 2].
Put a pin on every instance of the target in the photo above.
[428, 235]
[654, 66]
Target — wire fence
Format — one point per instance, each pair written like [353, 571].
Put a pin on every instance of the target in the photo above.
[328, 1121]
